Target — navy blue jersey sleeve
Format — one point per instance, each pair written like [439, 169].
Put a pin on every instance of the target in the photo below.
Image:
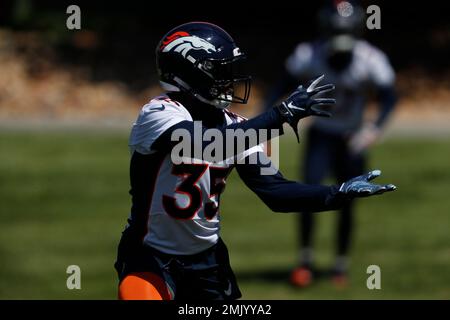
[282, 195]
[387, 101]
[270, 119]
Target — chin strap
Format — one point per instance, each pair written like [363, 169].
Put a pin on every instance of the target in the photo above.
[219, 104]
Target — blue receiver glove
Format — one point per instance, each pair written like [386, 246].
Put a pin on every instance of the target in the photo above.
[361, 187]
[301, 104]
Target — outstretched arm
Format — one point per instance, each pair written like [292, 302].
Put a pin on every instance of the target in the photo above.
[282, 195]
[300, 104]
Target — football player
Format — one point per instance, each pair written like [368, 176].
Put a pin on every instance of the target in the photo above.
[171, 248]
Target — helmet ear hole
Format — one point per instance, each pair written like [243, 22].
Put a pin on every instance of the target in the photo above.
[207, 65]
[214, 92]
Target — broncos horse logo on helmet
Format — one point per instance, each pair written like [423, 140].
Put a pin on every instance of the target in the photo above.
[182, 42]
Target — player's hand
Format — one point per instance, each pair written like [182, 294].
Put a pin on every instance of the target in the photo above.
[364, 138]
[361, 187]
[301, 104]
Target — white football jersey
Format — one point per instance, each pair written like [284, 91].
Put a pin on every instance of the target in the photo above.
[368, 68]
[181, 201]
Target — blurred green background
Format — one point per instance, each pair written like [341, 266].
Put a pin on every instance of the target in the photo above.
[68, 99]
[64, 201]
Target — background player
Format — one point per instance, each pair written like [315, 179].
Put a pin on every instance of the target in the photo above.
[339, 144]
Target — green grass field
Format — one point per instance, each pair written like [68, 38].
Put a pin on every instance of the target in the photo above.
[64, 200]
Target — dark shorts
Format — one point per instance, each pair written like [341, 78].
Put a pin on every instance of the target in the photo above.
[204, 276]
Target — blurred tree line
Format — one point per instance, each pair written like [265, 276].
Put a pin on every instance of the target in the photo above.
[117, 39]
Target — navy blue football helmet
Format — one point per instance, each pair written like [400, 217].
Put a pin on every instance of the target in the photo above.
[200, 58]
[341, 17]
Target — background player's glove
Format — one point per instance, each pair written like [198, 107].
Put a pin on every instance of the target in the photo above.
[361, 187]
[300, 104]
[364, 138]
